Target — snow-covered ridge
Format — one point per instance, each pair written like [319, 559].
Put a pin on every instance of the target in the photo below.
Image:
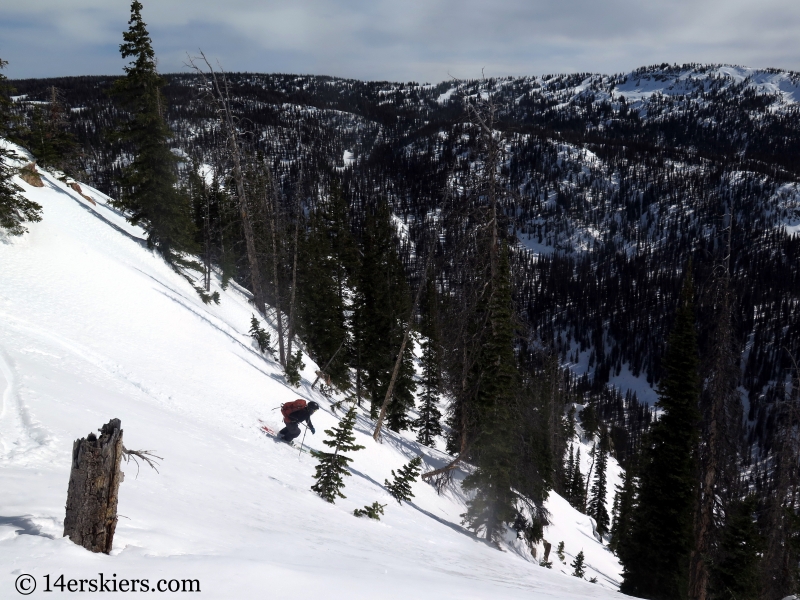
[94, 326]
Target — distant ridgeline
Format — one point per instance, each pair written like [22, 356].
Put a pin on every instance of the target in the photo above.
[612, 185]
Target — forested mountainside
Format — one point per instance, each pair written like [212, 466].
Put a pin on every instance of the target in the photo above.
[614, 184]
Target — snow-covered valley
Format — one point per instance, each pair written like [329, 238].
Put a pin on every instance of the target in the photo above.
[94, 326]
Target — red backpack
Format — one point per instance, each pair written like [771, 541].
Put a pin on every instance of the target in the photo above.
[290, 407]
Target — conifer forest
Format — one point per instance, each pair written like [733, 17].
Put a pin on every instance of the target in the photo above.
[612, 255]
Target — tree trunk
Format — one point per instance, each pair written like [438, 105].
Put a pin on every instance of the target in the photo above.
[720, 403]
[247, 226]
[271, 207]
[207, 238]
[547, 548]
[298, 206]
[221, 100]
[93, 490]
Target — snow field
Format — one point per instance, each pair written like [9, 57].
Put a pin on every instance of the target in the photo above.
[94, 326]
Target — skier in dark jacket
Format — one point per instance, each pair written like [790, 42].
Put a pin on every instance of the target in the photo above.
[293, 420]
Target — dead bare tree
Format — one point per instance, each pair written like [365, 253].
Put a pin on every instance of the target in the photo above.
[269, 192]
[779, 576]
[217, 92]
[470, 276]
[721, 424]
[298, 207]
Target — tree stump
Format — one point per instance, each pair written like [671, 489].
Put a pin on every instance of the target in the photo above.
[93, 489]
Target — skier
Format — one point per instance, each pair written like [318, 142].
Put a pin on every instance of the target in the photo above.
[295, 413]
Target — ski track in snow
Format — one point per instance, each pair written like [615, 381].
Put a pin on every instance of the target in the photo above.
[113, 369]
[17, 434]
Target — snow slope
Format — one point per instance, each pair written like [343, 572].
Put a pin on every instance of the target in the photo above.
[94, 326]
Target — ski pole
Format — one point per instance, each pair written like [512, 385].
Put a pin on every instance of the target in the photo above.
[299, 452]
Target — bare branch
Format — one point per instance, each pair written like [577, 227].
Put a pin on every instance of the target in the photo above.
[146, 455]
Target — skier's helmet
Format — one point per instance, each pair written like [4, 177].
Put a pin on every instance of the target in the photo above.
[313, 406]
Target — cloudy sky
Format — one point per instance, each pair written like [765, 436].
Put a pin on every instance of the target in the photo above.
[421, 40]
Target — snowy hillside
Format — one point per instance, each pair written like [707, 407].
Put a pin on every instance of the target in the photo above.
[94, 326]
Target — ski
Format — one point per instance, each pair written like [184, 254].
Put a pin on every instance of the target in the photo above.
[268, 431]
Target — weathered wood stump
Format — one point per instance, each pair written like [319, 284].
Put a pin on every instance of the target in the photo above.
[93, 489]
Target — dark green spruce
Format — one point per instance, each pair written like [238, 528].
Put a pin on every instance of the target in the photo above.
[735, 575]
[294, 365]
[327, 257]
[429, 423]
[578, 566]
[15, 209]
[400, 486]
[261, 337]
[597, 500]
[332, 467]
[622, 512]
[150, 194]
[49, 138]
[656, 557]
[373, 511]
[497, 379]
[382, 306]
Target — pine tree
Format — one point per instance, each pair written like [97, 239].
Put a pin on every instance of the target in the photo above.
[535, 450]
[48, 138]
[735, 574]
[578, 566]
[589, 421]
[321, 293]
[149, 183]
[15, 209]
[497, 374]
[623, 507]
[261, 337]
[560, 552]
[656, 559]
[373, 511]
[428, 424]
[381, 310]
[400, 486]
[568, 473]
[597, 502]
[577, 487]
[333, 465]
[718, 450]
[294, 365]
